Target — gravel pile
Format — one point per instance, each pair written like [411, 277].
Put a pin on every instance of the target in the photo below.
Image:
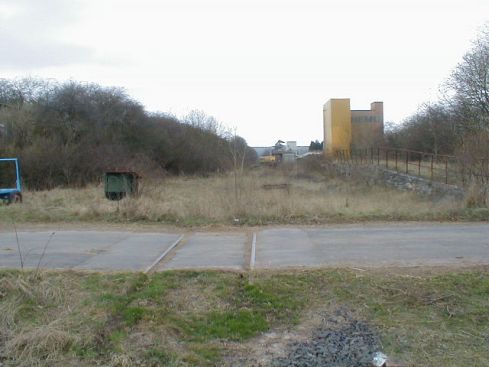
[342, 341]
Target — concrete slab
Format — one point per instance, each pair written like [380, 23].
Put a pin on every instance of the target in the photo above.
[136, 252]
[97, 250]
[210, 250]
[283, 247]
[386, 245]
[401, 245]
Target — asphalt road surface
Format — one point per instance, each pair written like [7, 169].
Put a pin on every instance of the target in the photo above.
[372, 245]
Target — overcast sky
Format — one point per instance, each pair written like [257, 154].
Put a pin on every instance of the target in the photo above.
[265, 67]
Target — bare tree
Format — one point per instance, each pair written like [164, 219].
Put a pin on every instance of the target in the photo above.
[201, 120]
[468, 86]
[237, 149]
[430, 129]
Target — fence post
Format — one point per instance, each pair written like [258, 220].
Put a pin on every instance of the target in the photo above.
[387, 158]
[482, 171]
[431, 169]
[378, 156]
[463, 174]
[446, 170]
[485, 165]
[419, 164]
[407, 162]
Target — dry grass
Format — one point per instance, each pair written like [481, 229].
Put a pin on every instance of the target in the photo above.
[425, 317]
[37, 315]
[312, 198]
[46, 342]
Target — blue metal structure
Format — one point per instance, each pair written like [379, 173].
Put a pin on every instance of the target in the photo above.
[12, 194]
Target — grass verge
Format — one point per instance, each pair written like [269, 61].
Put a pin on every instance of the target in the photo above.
[189, 318]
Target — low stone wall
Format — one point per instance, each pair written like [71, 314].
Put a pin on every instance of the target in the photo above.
[400, 181]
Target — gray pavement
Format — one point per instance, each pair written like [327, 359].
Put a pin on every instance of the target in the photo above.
[386, 245]
[210, 250]
[390, 244]
[93, 250]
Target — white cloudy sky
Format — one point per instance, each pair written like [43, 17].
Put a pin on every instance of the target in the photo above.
[263, 66]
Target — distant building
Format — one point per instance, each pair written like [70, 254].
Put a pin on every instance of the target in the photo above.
[337, 125]
[367, 126]
[288, 157]
[292, 146]
[302, 149]
[346, 129]
[284, 147]
[262, 151]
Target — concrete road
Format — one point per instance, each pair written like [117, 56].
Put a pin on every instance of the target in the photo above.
[94, 250]
[209, 250]
[374, 245]
[342, 245]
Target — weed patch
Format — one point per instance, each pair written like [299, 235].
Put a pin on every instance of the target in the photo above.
[233, 325]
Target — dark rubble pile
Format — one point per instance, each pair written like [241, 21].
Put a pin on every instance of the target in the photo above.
[341, 342]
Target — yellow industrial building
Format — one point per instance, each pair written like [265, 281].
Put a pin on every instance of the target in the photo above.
[346, 129]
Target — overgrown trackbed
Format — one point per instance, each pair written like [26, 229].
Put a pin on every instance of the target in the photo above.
[260, 248]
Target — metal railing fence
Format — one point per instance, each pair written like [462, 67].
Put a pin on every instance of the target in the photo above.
[450, 170]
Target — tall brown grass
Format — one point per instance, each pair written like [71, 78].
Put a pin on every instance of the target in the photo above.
[312, 197]
[24, 335]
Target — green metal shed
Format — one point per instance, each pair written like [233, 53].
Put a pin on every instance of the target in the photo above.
[118, 184]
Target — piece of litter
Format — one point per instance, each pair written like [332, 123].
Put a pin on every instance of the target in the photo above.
[379, 359]
[358, 269]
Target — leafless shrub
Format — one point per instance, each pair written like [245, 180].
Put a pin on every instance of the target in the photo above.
[68, 134]
[477, 195]
[473, 156]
